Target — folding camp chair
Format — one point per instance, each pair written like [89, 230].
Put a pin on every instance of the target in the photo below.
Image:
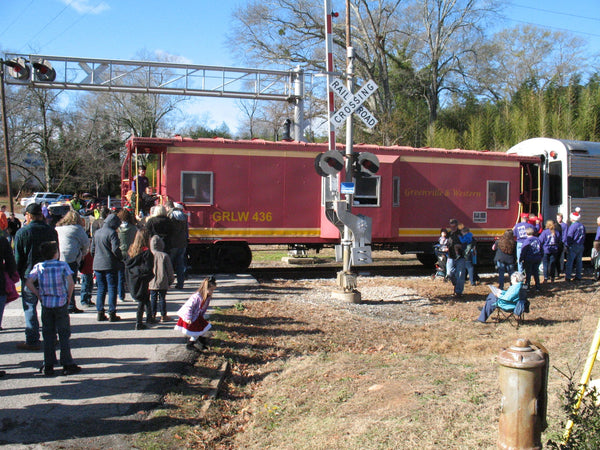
[513, 312]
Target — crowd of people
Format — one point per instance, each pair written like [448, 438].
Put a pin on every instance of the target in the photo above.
[142, 256]
[554, 246]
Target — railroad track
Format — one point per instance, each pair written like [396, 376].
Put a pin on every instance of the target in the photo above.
[330, 271]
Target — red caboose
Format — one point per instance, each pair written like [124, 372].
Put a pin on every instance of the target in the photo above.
[257, 192]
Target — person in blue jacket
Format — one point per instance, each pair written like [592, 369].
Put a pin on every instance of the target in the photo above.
[550, 239]
[507, 299]
[575, 241]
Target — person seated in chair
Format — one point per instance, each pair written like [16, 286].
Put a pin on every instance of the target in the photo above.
[506, 300]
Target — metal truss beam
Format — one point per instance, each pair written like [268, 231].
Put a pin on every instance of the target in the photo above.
[146, 77]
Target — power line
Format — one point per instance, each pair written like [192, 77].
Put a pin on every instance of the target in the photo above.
[560, 13]
[75, 22]
[49, 22]
[16, 18]
[553, 27]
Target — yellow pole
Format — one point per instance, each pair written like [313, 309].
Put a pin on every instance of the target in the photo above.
[585, 378]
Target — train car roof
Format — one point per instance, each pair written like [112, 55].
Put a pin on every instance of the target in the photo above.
[543, 146]
[156, 145]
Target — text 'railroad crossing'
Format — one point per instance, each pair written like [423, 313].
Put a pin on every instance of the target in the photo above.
[353, 103]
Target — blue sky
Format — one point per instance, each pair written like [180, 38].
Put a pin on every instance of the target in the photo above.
[197, 31]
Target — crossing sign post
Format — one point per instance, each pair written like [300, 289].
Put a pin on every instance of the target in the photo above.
[353, 103]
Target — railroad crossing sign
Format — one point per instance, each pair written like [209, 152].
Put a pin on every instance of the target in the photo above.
[353, 103]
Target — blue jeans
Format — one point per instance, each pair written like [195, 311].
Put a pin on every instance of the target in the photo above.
[2, 304]
[549, 263]
[574, 255]
[72, 303]
[106, 281]
[457, 275]
[470, 268]
[488, 308]
[56, 320]
[121, 284]
[87, 284]
[532, 268]
[158, 298]
[179, 264]
[504, 268]
[32, 323]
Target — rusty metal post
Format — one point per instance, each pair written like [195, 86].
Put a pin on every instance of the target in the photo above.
[523, 377]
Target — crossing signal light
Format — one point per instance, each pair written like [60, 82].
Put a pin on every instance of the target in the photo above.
[18, 68]
[43, 70]
[367, 164]
[329, 163]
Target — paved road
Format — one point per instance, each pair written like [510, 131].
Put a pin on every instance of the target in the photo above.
[124, 371]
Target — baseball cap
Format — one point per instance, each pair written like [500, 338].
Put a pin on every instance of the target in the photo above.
[34, 209]
[453, 222]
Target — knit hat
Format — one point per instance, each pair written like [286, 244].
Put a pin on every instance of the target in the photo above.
[575, 215]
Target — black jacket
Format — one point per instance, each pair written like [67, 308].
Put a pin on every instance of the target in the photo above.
[163, 227]
[138, 273]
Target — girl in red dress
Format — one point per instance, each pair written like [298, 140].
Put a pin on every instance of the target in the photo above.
[191, 315]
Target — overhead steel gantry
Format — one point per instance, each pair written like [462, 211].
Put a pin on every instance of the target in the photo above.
[147, 77]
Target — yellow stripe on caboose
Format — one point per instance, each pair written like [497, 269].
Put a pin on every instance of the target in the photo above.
[435, 232]
[254, 232]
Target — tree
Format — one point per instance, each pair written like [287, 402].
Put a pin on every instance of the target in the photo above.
[431, 38]
[144, 114]
[281, 32]
[446, 35]
[38, 134]
[526, 54]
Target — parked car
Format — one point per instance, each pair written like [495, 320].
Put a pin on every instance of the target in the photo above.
[64, 198]
[40, 197]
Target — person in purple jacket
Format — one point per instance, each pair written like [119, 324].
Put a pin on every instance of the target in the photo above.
[574, 243]
[597, 238]
[561, 227]
[550, 240]
[531, 257]
[520, 232]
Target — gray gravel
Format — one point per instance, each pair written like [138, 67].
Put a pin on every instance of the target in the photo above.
[381, 302]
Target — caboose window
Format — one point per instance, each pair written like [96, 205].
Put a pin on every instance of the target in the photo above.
[497, 194]
[396, 189]
[367, 191]
[197, 187]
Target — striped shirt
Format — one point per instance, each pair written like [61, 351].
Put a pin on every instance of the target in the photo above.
[52, 277]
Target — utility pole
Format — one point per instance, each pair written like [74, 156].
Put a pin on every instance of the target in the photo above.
[346, 278]
[5, 133]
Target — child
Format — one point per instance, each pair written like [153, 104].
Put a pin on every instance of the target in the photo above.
[441, 252]
[191, 315]
[54, 287]
[468, 243]
[87, 279]
[531, 257]
[164, 275]
[443, 241]
[138, 273]
[596, 260]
